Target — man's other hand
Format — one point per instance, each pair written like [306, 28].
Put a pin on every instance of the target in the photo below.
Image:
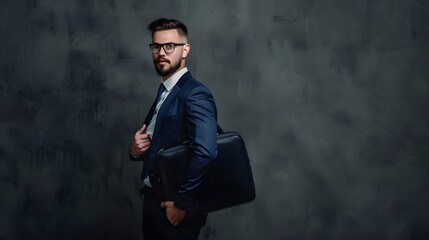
[174, 214]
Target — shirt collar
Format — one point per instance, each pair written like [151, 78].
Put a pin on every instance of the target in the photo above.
[171, 81]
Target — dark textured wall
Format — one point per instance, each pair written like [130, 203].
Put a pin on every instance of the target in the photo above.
[330, 96]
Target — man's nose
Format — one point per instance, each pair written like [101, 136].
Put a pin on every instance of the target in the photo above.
[162, 51]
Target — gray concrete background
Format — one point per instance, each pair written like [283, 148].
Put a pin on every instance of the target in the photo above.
[330, 96]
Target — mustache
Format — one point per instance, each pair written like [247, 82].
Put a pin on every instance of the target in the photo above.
[162, 59]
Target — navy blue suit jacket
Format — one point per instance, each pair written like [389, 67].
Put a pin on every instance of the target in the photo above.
[188, 114]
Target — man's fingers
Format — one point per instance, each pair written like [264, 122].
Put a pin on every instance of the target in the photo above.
[167, 204]
[141, 130]
[143, 144]
[174, 215]
[142, 141]
[141, 138]
[174, 221]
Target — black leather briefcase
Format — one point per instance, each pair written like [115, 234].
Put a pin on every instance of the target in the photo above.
[229, 181]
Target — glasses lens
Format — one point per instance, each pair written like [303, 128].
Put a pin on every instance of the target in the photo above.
[169, 47]
[155, 47]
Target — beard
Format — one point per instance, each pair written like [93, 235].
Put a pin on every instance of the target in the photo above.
[164, 70]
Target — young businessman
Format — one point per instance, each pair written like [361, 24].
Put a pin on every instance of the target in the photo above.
[184, 110]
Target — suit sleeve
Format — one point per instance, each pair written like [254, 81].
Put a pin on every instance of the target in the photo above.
[201, 131]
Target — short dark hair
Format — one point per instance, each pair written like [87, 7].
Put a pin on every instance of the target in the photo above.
[166, 24]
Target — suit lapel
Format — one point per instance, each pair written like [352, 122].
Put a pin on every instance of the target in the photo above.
[150, 113]
[171, 97]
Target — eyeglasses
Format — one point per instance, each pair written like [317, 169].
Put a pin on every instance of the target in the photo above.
[168, 47]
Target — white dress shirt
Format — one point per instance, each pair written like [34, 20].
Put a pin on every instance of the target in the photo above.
[168, 84]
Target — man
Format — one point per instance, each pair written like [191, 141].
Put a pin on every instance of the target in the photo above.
[183, 111]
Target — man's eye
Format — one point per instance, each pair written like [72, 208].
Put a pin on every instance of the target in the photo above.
[169, 46]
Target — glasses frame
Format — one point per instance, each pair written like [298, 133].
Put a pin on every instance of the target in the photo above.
[162, 45]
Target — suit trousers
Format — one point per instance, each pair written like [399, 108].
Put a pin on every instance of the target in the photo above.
[156, 225]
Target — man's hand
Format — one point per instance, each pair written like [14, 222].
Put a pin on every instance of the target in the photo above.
[141, 142]
[174, 214]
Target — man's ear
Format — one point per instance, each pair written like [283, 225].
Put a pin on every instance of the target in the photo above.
[186, 49]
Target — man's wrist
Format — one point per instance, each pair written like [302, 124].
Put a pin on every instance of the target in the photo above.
[131, 153]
